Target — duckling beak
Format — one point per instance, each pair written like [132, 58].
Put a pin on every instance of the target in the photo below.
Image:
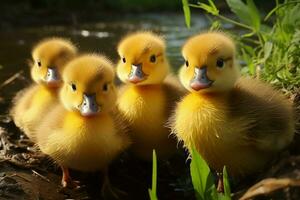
[89, 106]
[52, 77]
[200, 80]
[136, 74]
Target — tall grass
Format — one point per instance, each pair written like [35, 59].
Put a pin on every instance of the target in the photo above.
[268, 45]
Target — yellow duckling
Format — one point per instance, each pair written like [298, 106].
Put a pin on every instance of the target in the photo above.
[84, 133]
[147, 98]
[49, 58]
[234, 121]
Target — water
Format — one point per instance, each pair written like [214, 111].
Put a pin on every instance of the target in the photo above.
[102, 37]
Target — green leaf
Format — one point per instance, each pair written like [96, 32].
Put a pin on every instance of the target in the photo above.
[248, 59]
[212, 4]
[187, 13]
[152, 192]
[254, 13]
[227, 191]
[216, 25]
[267, 50]
[210, 8]
[247, 13]
[201, 176]
[240, 9]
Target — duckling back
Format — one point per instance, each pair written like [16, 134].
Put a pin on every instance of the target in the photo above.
[271, 115]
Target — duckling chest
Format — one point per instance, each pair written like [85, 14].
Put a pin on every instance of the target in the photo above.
[143, 107]
[202, 122]
[199, 117]
[85, 144]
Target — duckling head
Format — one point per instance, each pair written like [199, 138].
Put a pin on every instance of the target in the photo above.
[142, 59]
[49, 58]
[88, 87]
[209, 63]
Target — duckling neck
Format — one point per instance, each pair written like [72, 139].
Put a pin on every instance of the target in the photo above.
[50, 90]
[147, 87]
[211, 96]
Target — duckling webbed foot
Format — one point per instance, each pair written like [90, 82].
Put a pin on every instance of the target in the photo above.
[67, 181]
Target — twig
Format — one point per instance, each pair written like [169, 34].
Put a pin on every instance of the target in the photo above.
[4, 141]
[268, 186]
[11, 79]
[18, 175]
[40, 175]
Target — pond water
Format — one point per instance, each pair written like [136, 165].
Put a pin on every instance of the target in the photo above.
[102, 36]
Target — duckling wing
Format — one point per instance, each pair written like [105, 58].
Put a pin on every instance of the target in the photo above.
[269, 114]
[53, 120]
[21, 102]
[122, 127]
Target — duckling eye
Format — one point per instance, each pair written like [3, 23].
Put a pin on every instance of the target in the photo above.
[220, 63]
[186, 63]
[105, 87]
[153, 58]
[73, 86]
[39, 63]
[124, 60]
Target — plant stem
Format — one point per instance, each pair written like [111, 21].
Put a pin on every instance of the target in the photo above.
[225, 18]
[235, 22]
[278, 7]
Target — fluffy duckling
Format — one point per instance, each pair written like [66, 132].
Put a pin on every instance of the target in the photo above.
[238, 122]
[147, 97]
[30, 105]
[84, 132]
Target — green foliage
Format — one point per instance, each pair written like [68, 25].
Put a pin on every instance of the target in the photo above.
[270, 44]
[203, 181]
[152, 192]
[187, 12]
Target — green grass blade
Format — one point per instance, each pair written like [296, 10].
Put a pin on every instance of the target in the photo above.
[154, 172]
[152, 191]
[187, 13]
